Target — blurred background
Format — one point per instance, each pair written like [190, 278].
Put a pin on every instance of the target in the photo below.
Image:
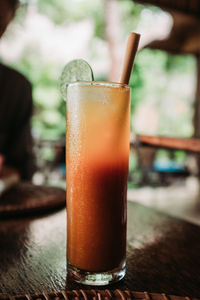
[46, 34]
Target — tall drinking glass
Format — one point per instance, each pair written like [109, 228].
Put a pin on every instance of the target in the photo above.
[97, 143]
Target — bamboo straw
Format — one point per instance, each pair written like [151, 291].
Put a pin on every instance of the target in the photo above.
[131, 49]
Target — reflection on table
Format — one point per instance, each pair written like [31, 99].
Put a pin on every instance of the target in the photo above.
[162, 254]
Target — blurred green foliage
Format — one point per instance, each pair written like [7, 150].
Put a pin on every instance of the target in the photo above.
[63, 12]
[49, 108]
[157, 78]
[165, 81]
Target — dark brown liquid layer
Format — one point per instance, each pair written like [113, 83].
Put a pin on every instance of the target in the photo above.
[96, 203]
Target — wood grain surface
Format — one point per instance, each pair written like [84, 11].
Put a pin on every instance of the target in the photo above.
[95, 294]
[26, 198]
[162, 254]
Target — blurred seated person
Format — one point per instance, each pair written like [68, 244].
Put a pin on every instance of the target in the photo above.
[16, 145]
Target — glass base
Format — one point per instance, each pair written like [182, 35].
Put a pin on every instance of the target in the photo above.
[95, 278]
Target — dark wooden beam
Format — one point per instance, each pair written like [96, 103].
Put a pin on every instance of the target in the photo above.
[197, 102]
[184, 37]
[186, 144]
[188, 7]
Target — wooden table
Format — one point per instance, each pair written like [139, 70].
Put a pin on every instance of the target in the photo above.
[163, 254]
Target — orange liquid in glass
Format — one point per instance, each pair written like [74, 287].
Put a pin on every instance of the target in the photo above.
[97, 170]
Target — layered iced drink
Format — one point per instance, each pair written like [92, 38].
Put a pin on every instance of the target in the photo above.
[97, 143]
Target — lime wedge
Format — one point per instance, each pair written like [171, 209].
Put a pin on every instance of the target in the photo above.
[75, 70]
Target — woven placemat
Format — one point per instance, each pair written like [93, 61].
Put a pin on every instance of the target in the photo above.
[26, 198]
[95, 295]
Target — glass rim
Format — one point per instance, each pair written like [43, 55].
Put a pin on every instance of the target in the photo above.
[100, 83]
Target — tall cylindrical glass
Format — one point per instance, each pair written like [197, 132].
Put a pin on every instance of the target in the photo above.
[97, 154]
